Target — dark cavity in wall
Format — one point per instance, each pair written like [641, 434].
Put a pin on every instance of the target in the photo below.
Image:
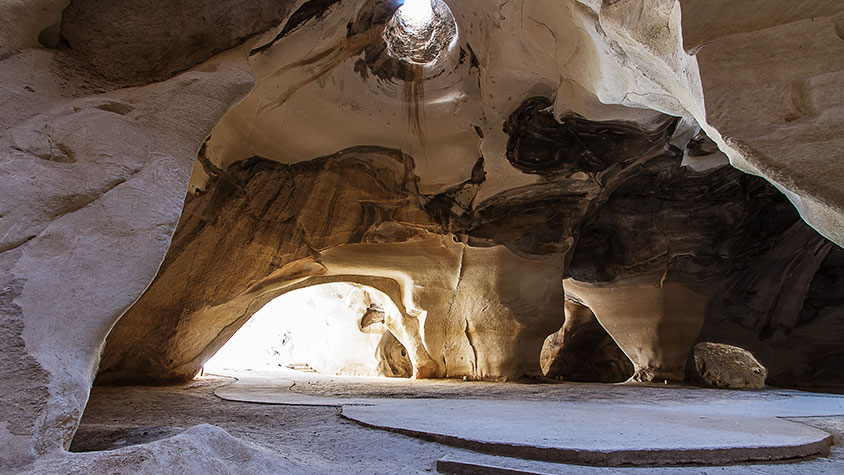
[539, 144]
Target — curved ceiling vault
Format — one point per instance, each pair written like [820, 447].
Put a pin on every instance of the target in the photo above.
[556, 133]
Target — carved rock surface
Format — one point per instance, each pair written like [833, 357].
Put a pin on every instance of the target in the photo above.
[105, 189]
[655, 323]
[550, 179]
[199, 449]
[264, 228]
[392, 358]
[782, 101]
[249, 238]
[728, 367]
[93, 185]
[190, 32]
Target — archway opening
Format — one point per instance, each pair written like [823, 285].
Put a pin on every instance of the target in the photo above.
[583, 351]
[336, 329]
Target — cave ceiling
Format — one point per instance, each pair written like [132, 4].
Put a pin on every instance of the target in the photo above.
[562, 143]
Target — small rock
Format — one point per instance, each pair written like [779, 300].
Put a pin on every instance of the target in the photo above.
[728, 367]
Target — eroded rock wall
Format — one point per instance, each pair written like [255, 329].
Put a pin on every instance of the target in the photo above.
[787, 311]
[104, 190]
[781, 104]
[741, 245]
[505, 153]
[93, 185]
[582, 350]
[256, 231]
[263, 228]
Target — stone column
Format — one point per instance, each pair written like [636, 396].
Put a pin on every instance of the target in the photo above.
[654, 322]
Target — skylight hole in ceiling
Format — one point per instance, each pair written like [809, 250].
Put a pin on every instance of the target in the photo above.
[420, 31]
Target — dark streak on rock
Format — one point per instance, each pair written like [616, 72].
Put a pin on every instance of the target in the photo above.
[17, 244]
[473, 59]
[117, 107]
[534, 220]
[442, 207]
[308, 11]
[539, 144]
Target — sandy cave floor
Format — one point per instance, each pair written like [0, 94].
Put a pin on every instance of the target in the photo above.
[321, 439]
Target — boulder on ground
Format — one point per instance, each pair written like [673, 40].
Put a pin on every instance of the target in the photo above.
[728, 367]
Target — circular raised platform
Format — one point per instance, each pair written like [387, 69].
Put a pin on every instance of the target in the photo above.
[588, 424]
[596, 434]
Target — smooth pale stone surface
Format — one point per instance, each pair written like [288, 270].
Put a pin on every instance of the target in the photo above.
[710, 427]
[85, 233]
[199, 450]
[782, 108]
[599, 434]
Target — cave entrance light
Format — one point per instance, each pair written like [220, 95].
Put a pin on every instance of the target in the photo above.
[420, 31]
[417, 13]
[337, 329]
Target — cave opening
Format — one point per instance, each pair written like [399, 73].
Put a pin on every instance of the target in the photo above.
[583, 351]
[421, 31]
[417, 12]
[333, 329]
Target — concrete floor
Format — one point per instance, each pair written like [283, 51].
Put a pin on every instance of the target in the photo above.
[587, 418]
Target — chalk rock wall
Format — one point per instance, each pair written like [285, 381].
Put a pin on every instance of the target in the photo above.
[93, 181]
[254, 233]
[263, 228]
[781, 104]
[613, 175]
[94, 188]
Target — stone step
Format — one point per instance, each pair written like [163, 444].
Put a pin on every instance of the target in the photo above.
[462, 467]
[303, 367]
